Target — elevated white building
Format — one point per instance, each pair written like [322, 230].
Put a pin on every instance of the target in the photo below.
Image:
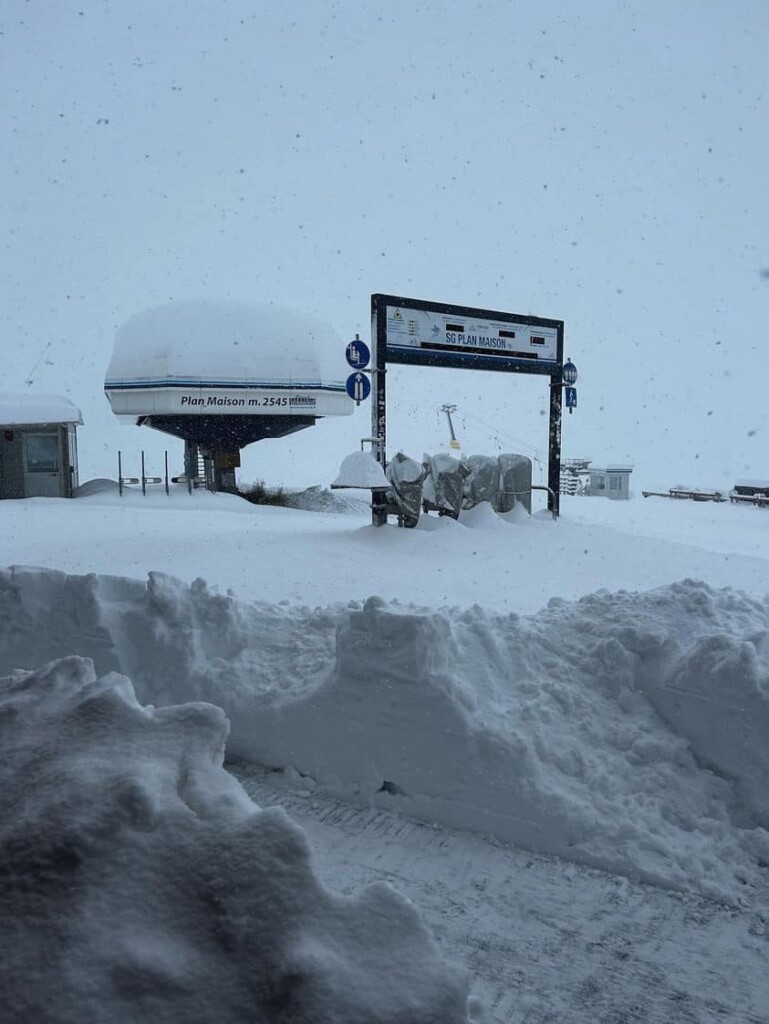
[223, 374]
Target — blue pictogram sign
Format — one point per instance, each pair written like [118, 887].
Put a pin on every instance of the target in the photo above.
[571, 398]
[358, 387]
[358, 354]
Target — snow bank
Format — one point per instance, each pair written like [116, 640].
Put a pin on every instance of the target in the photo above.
[227, 341]
[139, 881]
[321, 499]
[626, 731]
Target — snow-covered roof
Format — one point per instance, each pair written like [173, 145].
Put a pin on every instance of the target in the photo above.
[23, 407]
[224, 342]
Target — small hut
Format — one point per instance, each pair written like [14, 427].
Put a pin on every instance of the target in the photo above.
[611, 482]
[38, 445]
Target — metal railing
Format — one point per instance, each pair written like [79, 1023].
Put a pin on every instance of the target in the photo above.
[551, 492]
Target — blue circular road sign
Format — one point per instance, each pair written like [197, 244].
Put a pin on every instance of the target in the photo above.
[358, 387]
[358, 354]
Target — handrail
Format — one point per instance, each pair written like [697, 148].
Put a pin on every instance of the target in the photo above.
[551, 492]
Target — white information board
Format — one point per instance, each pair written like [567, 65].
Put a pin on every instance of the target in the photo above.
[408, 328]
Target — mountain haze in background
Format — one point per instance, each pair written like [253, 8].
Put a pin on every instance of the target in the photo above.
[604, 165]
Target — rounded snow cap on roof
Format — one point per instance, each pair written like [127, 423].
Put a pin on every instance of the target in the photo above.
[24, 407]
[224, 341]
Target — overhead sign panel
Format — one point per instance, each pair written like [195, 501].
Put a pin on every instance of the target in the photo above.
[447, 332]
[414, 330]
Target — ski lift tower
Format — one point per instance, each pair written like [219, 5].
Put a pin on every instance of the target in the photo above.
[449, 409]
[221, 375]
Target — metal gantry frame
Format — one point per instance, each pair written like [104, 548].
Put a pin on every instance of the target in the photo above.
[461, 359]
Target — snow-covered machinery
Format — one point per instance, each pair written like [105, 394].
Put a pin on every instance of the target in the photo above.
[444, 485]
[221, 375]
[404, 498]
[514, 485]
[482, 481]
[504, 481]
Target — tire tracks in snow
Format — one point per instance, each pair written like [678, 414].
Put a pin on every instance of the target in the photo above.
[545, 940]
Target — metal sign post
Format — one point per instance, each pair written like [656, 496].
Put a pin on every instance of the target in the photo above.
[554, 445]
[379, 408]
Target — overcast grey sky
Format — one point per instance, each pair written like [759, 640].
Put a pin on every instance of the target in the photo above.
[602, 163]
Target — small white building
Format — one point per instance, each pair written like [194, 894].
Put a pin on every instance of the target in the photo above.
[611, 482]
[38, 445]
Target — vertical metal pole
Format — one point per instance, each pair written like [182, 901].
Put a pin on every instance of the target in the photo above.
[554, 446]
[166, 465]
[449, 409]
[379, 406]
[190, 460]
[119, 475]
[144, 478]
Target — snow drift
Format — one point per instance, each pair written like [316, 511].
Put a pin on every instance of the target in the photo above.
[624, 731]
[140, 882]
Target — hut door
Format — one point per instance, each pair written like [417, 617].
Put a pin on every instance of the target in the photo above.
[42, 466]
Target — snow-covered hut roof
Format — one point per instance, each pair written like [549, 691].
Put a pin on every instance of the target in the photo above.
[24, 407]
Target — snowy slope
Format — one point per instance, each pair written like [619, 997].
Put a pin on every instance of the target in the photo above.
[620, 729]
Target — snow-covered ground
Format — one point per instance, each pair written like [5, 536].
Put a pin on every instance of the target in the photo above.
[141, 882]
[274, 554]
[551, 736]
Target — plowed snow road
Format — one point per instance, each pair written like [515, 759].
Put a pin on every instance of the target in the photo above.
[544, 939]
